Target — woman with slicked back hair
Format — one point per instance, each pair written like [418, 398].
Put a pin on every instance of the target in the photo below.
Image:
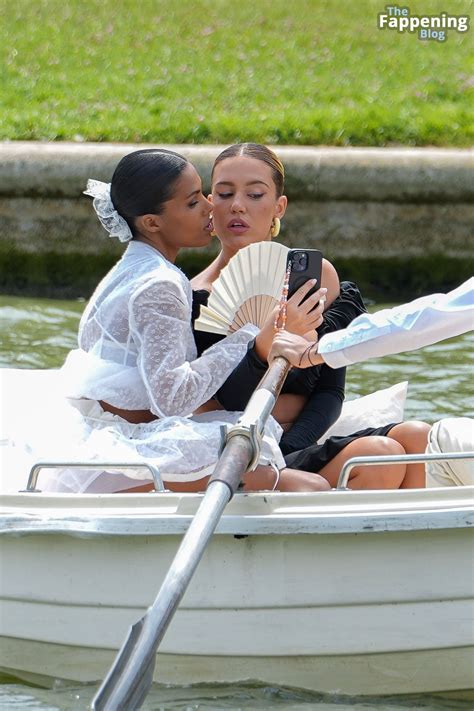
[248, 203]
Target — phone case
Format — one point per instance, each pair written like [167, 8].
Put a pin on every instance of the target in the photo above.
[312, 270]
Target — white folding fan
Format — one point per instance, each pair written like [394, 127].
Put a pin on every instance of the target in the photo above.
[247, 290]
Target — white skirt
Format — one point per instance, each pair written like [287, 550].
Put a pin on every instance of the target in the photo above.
[49, 427]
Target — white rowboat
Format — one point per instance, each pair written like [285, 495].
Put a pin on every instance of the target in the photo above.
[350, 592]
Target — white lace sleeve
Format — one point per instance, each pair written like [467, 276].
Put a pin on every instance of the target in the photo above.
[160, 323]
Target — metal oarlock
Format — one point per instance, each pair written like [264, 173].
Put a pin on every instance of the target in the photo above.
[251, 424]
[251, 432]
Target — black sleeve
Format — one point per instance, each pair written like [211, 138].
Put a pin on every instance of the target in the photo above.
[344, 309]
[235, 393]
[239, 386]
[325, 400]
[320, 412]
[203, 339]
[326, 397]
[200, 298]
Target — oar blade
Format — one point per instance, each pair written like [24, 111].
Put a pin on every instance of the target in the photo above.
[127, 685]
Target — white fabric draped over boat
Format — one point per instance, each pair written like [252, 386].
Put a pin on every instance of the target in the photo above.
[40, 424]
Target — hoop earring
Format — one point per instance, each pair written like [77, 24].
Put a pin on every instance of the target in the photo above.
[275, 228]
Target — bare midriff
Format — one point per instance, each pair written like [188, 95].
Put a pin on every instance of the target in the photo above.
[286, 410]
[136, 417]
[208, 406]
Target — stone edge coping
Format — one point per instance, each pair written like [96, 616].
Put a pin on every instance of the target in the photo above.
[60, 170]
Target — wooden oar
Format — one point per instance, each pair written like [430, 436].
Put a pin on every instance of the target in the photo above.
[131, 675]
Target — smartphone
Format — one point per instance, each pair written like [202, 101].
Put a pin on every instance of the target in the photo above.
[305, 264]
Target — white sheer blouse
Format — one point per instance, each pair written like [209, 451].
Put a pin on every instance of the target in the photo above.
[136, 346]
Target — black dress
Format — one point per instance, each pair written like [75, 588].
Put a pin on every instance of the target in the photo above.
[322, 385]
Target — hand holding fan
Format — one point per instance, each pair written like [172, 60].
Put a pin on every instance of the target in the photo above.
[247, 290]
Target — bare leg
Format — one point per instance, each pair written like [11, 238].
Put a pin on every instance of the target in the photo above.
[289, 480]
[287, 409]
[263, 478]
[373, 477]
[413, 436]
[179, 487]
[297, 480]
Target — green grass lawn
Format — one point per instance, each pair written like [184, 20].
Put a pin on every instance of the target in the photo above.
[273, 71]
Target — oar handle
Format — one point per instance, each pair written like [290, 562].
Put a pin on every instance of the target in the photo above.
[275, 376]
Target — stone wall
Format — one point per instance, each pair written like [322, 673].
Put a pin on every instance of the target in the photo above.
[355, 203]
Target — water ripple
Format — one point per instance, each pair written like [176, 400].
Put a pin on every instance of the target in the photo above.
[38, 333]
[220, 697]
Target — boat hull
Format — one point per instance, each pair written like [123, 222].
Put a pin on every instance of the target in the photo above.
[355, 675]
[334, 593]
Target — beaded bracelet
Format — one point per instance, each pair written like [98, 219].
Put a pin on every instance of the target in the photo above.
[283, 301]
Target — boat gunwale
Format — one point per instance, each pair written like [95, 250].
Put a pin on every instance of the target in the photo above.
[262, 513]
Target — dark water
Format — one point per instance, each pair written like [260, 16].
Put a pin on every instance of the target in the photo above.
[38, 333]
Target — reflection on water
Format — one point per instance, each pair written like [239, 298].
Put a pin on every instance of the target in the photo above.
[38, 334]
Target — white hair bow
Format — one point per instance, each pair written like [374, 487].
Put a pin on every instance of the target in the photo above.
[109, 218]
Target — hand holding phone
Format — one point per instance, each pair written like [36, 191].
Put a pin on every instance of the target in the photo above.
[305, 264]
[305, 304]
[305, 315]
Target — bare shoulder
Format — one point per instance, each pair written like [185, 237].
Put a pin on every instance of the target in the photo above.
[205, 279]
[200, 281]
[330, 280]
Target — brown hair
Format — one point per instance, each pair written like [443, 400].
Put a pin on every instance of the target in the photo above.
[259, 152]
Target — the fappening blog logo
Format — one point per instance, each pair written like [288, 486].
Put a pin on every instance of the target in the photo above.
[428, 27]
